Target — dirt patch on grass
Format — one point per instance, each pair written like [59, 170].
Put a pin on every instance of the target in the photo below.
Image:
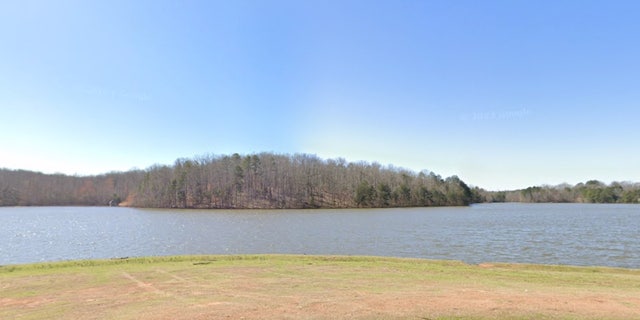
[307, 288]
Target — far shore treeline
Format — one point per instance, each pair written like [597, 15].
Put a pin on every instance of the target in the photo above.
[268, 180]
[263, 180]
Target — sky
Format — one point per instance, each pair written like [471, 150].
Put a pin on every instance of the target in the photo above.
[503, 94]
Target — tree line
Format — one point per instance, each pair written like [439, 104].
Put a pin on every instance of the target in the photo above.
[264, 180]
[268, 180]
[28, 188]
[592, 191]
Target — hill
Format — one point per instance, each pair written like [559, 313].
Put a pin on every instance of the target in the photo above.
[263, 180]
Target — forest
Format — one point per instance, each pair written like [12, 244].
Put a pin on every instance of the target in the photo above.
[592, 191]
[268, 180]
[264, 180]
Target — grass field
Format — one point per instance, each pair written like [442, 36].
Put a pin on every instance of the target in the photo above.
[313, 287]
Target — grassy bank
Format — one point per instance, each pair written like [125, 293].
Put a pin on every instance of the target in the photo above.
[313, 287]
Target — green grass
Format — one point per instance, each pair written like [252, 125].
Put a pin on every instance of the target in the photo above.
[311, 287]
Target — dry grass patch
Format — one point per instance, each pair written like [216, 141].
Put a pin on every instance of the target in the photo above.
[310, 287]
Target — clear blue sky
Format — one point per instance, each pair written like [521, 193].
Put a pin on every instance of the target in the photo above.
[504, 94]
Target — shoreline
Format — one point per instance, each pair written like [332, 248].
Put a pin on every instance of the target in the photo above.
[250, 257]
[322, 208]
[314, 287]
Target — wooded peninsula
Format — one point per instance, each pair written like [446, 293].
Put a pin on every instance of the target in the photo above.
[268, 180]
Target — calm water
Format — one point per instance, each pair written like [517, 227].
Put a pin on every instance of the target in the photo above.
[576, 234]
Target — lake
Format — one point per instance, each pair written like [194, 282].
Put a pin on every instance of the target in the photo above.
[573, 234]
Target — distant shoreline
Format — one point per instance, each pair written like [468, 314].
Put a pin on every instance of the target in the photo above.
[312, 209]
[275, 181]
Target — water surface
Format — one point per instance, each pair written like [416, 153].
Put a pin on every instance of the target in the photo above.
[576, 234]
